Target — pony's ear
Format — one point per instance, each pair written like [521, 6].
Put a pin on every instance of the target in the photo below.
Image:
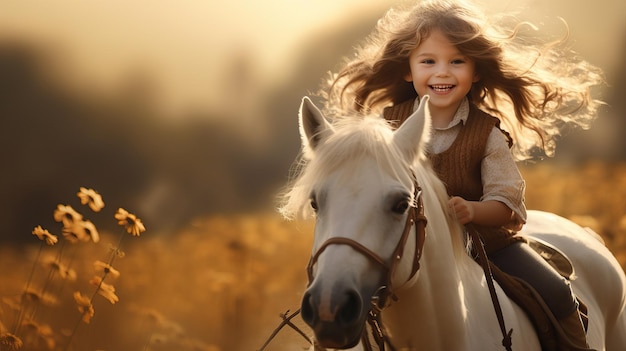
[414, 133]
[313, 125]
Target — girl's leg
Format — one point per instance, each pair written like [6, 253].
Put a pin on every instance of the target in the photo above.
[521, 261]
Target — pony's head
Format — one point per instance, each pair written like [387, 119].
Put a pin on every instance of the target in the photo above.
[359, 178]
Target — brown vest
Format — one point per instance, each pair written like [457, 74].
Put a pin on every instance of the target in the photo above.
[459, 167]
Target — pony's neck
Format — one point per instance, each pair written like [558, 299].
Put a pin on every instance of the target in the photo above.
[447, 279]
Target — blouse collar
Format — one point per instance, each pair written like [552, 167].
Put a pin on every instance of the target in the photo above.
[460, 116]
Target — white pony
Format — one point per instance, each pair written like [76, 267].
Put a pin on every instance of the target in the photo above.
[360, 178]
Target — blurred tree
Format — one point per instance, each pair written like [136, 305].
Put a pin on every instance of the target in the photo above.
[54, 140]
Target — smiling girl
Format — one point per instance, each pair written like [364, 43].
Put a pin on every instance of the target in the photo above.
[478, 76]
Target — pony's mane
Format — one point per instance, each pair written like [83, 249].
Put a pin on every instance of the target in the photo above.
[436, 200]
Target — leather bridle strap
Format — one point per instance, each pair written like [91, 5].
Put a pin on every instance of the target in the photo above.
[343, 241]
[484, 263]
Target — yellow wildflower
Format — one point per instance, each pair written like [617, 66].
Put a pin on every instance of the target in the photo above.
[63, 271]
[38, 334]
[69, 274]
[105, 290]
[132, 224]
[31, 295]
[116, 251]
[35, 297]
[106, 268]
[84, 306]
[66, 214]
[44, 234]
[10, 342]
[82, 230]
[69, 235]
[92, 198]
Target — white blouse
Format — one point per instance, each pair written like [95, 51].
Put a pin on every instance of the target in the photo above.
[501, 178]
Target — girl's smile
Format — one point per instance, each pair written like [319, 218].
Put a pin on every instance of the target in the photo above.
[441, 88]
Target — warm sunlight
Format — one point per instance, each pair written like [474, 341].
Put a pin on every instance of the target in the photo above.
[183, 48]
[185, 52]
[186, 114]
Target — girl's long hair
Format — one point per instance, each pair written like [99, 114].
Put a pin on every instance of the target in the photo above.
[535, 87]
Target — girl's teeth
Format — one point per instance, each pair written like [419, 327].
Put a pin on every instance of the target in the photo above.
[441, 87]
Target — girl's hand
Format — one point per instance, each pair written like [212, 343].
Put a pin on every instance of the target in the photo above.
[491, 213]
[461, 209]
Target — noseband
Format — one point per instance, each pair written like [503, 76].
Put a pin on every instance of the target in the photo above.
[415, 217]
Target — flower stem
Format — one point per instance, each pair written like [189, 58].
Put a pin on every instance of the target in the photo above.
[32, 271]
[114, 253]
[22, 312]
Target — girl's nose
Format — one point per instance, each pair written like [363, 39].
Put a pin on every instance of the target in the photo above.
[442, 71]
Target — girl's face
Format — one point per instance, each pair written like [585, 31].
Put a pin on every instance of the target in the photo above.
[439, 70]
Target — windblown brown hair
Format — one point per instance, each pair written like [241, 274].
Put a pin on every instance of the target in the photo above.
[535, 87]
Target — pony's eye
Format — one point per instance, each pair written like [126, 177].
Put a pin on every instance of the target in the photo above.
[314, 204]
[401, 206]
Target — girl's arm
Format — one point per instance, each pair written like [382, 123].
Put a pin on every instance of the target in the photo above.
[502, 203]
[491, 213]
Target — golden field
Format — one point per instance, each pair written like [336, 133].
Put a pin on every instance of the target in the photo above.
[222, 282]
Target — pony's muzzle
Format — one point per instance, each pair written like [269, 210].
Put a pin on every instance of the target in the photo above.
[337, 317]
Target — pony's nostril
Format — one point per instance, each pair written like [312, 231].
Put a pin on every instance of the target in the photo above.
[350, 310]
[307, 310]
[346, 310]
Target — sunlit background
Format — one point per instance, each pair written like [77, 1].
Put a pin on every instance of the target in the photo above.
[186, 114]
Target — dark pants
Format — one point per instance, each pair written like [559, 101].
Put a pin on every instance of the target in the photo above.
[521, 261]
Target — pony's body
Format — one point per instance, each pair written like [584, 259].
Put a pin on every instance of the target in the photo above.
[358, 178]
[599, 279]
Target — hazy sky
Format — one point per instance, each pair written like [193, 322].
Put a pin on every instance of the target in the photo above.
[185, 44]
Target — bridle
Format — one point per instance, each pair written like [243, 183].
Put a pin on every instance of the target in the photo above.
[415, 217]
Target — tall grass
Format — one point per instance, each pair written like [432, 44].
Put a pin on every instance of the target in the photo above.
[222, 282]
[31, 314]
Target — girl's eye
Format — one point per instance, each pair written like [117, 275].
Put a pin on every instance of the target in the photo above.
[428, 61]
[458, 62]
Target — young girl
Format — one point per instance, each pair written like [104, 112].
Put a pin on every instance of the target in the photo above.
[477, 76]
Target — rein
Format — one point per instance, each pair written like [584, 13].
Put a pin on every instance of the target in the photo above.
[484, 263]
[415, 218]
